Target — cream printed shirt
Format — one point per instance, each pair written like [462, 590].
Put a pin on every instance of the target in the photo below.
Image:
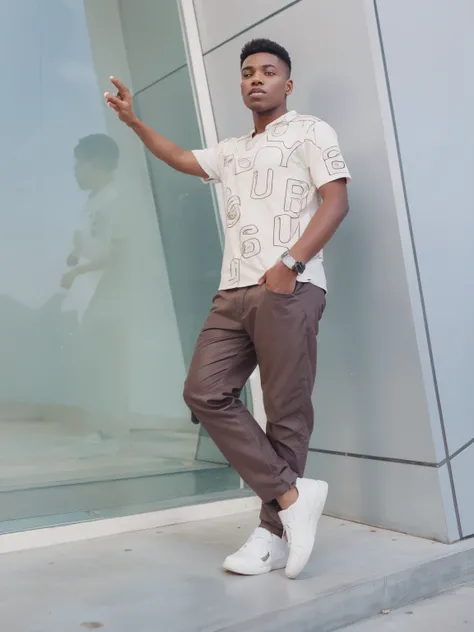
[271, 183]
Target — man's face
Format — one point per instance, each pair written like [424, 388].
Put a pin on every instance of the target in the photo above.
[265, 82]
[86, 174]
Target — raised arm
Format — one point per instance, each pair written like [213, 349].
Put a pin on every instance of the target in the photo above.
[164, 149]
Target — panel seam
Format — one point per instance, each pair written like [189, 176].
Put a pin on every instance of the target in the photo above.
[461, 449]
[153, 83]
[249, 28]
[390, 459]
[384, 459]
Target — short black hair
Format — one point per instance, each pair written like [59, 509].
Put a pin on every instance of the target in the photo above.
[262, 45]
[99, 149]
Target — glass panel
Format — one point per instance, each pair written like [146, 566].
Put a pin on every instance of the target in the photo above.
[108, 262]
[153, 41]
[185, 209]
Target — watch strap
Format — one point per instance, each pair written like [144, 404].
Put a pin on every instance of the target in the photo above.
[291, 263]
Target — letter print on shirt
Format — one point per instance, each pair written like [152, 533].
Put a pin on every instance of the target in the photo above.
[296, 197]
[234, 278]
[279, 129]
[257, 193]
[332, 156]
[285, 229]
[275, 141]
[249, 247]
[262, 183]
[247, 161]
[333, 160]
[232, 211]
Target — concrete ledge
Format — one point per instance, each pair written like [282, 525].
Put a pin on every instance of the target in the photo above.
[336, 610]
[170, 580]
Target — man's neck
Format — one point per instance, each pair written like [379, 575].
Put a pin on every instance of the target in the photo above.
[262, 119]
[100, 186]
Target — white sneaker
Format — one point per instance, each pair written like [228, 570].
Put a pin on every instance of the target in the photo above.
[300, 522]
[263, 552]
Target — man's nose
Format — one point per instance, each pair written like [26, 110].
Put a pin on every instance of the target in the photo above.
[256, 80]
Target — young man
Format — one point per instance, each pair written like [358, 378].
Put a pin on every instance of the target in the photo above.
[285, 194]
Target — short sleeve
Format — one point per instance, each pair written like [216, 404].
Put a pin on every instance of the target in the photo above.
[209, 160]
[323, 154]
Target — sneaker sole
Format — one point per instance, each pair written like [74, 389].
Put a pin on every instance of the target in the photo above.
[235, 569]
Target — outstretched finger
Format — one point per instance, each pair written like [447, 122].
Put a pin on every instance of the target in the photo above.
[119, 85]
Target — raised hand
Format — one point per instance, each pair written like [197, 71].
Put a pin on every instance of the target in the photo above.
[161, 147]
[122, 102]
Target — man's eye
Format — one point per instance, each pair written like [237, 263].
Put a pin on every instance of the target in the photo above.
[269, 72]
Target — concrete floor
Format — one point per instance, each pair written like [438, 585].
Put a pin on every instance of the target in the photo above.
[450, 612]
[169, 580]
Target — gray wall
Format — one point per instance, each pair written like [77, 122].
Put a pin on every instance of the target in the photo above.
[378, 438]
[432, 103]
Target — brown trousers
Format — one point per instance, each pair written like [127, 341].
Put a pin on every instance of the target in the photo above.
[246, 327]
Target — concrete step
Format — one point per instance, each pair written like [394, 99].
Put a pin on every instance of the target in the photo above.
[452, 611]
[169, 580]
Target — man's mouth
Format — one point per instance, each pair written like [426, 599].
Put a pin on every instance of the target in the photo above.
[256, 91]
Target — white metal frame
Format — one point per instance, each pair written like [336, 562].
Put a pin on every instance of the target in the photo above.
[51, 536]
[203, 103]
[202, 95]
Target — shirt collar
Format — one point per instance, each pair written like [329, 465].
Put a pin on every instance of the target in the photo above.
[289, 116]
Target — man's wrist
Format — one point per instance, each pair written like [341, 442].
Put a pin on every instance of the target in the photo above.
[134, 123]
[282, 266]
[298, 256]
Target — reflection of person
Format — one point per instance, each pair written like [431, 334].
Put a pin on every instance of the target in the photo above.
[96, 240]
[286, 194]
[95, 286]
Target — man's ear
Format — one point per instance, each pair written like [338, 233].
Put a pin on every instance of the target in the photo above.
[289, 87]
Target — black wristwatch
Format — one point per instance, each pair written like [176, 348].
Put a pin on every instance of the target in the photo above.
[296, 266]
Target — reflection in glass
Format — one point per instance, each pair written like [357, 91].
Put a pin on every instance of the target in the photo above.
[104, 280]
